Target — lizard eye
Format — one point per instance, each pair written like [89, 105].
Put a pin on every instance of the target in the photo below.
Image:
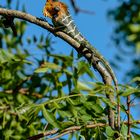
[57, 9]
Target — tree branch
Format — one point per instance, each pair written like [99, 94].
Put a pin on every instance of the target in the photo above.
[89, 56]
[77, 9]
[64, 132]
[128, 117]
[71, 130]
[23, 91]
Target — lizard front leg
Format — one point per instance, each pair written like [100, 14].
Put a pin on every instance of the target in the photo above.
[84, 49]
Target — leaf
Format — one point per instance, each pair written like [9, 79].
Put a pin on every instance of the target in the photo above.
[56, 105]
[130, 90]
[64, 113]
[134, 28]
[83, 68]
[24, 109]
[46, 66]
[109, 131]
[100, 88]
[67, 59]
[29, 112]
[50, 117]
[108, 102]
[34, 39]
[97, 108]
[85, 118]
[6, 56]
[124, 130]
[67, 124]
[135, 135]
[83, 86]
[136, 79]
[82, 137]
[138, 47]
[131, 37]
[93, 107]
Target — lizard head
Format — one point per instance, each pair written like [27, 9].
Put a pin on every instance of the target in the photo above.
[54, 9]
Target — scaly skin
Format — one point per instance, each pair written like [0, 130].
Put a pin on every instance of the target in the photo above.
[60, 16]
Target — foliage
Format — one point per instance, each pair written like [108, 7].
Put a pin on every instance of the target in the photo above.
[41, 93]
[127, 33]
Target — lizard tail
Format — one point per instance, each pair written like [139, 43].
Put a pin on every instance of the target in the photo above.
[110, 71]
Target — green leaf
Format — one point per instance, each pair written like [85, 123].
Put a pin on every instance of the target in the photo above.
[65, 113]
[138, 47]
[130, 91]
[82, 137]
[64, 58]
[83, 68]
[46, 66]
[131, 37]
[83, 86]
[85, 118]
[135, 135]
[136, 79]
[108, 102]
[29, 112]
[50, 117]
[93, 107]
[97, 108]
[134, 28]
[124, 130]
[6, 56]
[109, 131]
[67, 124]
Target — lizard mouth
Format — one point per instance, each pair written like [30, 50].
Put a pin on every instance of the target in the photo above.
[50, 11]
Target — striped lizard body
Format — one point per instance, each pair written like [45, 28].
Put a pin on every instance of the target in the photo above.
[61, 17]
[70, 28]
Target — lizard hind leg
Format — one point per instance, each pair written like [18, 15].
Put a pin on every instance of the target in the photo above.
[84, 49]
[59, 28]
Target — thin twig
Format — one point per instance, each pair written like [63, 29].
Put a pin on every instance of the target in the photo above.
[64, 132]
[135, 104]
[77, 9]
[118, 112]
[71, 130]
[23, 91]
[128, 118]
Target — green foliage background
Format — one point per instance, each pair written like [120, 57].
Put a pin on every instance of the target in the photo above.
[38, 95]
[126, 33]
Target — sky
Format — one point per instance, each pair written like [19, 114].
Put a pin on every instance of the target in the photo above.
[97, 28]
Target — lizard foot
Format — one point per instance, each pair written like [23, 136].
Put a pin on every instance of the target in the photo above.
[41, 18]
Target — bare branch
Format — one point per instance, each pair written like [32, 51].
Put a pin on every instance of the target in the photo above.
[128, 117]
[23, 91]
[71, 130]
[64, 132]
[118, 111]
[77, 9]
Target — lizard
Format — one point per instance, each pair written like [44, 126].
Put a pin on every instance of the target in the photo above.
[61, 18]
